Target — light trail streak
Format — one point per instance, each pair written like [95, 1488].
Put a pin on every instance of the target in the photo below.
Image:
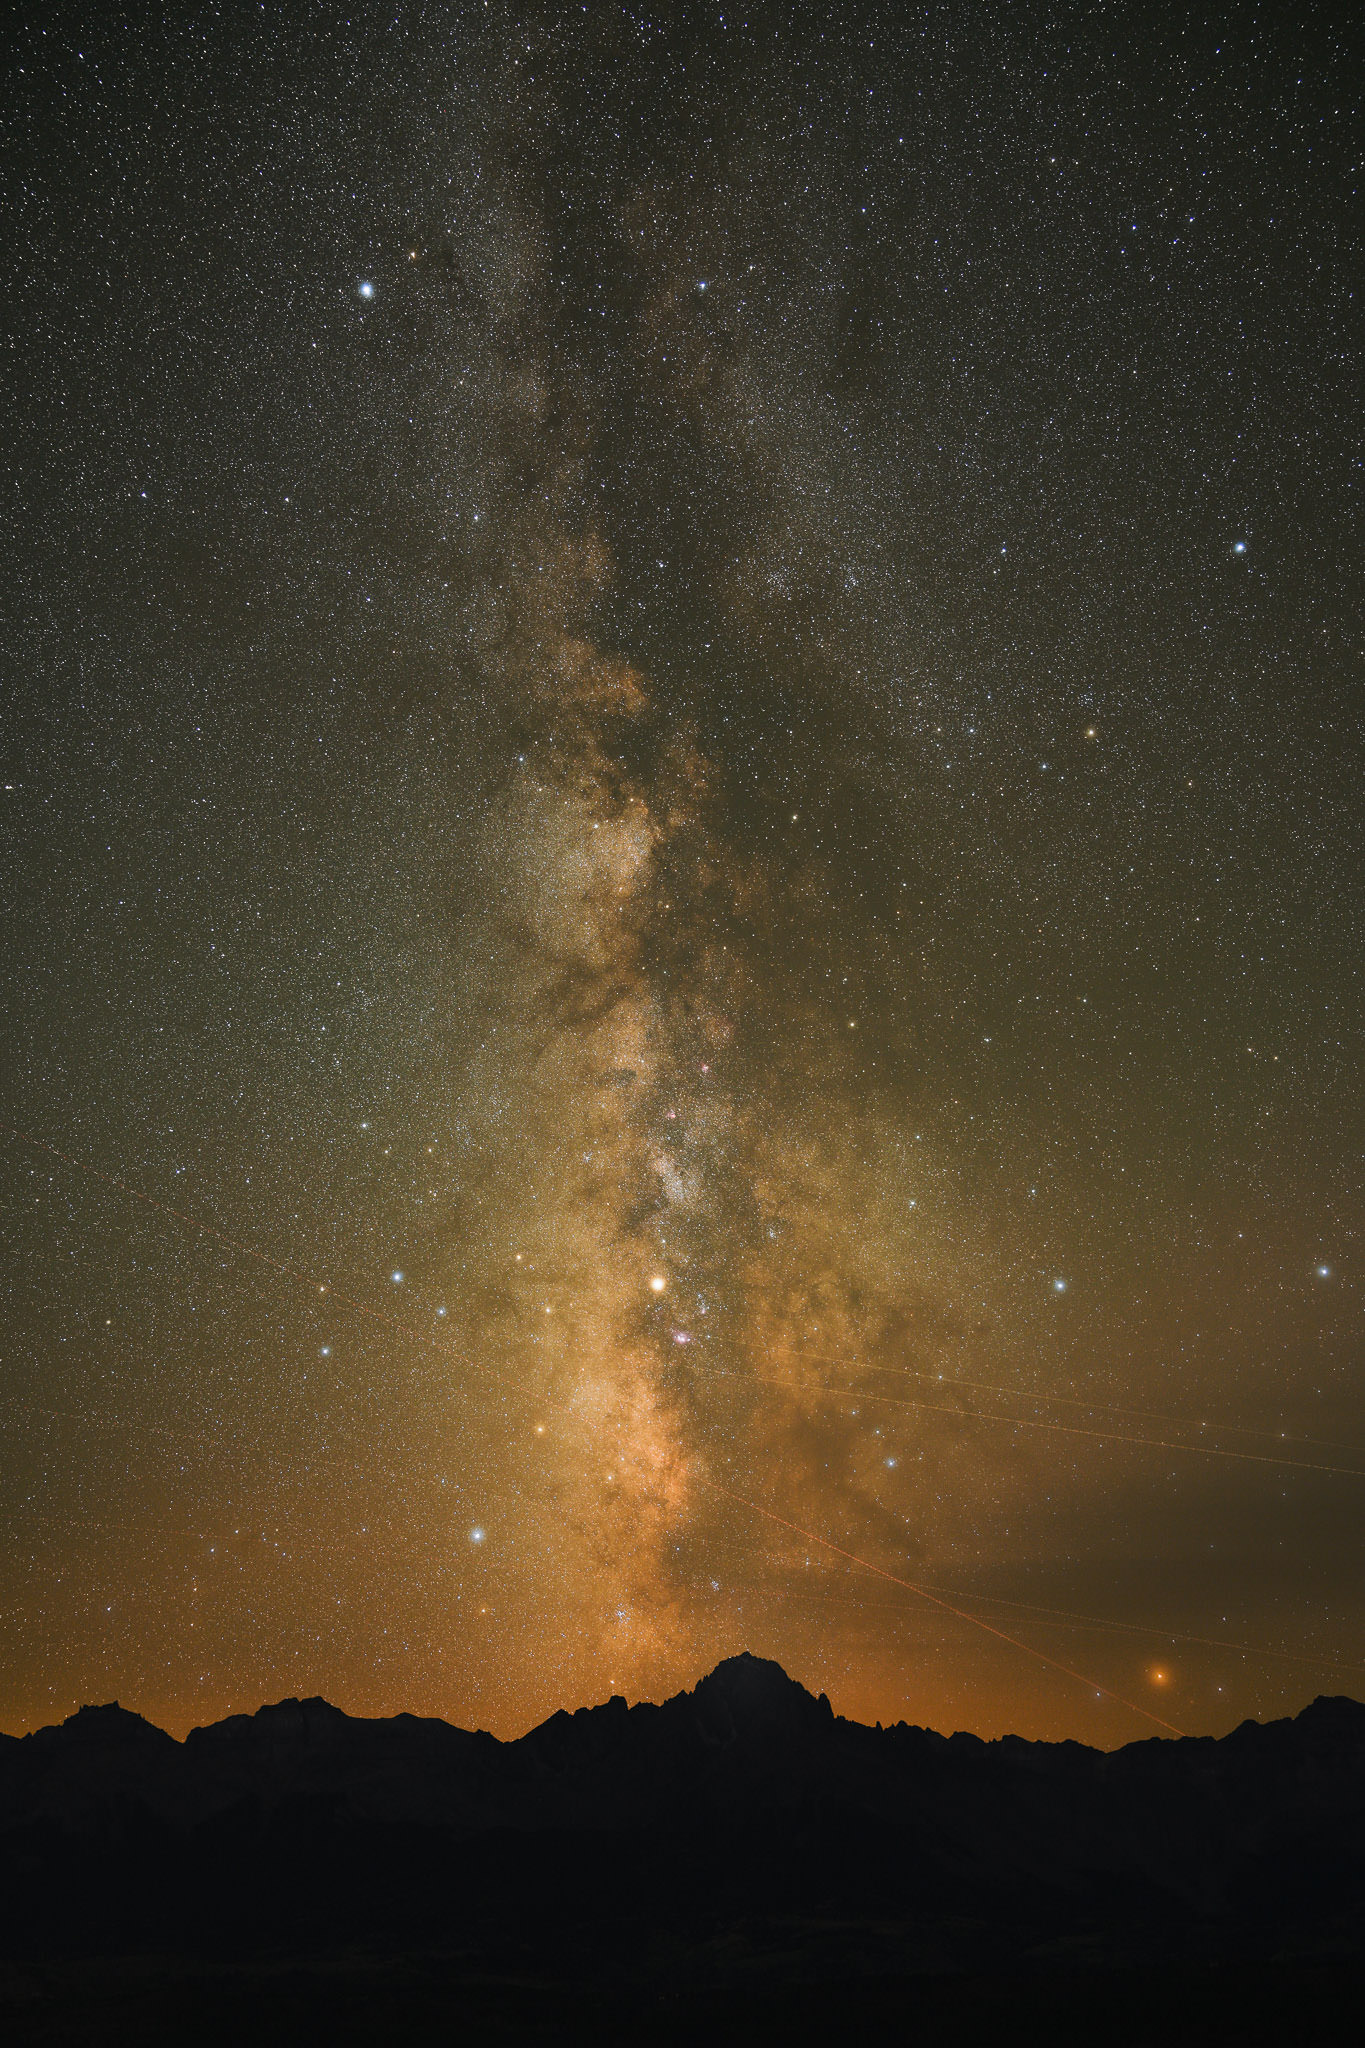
[1107, 1436]
[962, 1613]
[1080, 1401]
[325, 1289]
[1323, 1661]
[444, 1344]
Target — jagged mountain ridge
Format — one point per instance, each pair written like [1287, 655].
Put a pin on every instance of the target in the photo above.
[745, 1796]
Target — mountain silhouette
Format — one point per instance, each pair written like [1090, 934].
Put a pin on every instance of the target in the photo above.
[738, 1828]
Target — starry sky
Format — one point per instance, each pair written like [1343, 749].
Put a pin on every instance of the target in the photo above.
[682, 860]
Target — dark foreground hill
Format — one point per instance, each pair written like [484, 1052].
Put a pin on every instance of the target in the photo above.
[737, 1857]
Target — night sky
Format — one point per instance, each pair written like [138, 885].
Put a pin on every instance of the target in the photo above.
[682, 762]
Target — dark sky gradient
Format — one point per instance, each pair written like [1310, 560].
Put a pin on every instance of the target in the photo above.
[696, 648]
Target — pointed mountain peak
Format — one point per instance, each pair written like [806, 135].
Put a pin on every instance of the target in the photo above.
[752, 1675]
[755, 1691]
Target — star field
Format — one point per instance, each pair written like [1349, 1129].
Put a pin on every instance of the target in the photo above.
[683, 862]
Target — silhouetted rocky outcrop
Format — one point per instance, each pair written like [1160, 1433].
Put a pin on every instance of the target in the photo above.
[733, 1812]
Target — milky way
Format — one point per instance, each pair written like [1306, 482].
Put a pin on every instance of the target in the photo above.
[681, 726]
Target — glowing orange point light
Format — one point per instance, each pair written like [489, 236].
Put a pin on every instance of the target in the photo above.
[657, 1284]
